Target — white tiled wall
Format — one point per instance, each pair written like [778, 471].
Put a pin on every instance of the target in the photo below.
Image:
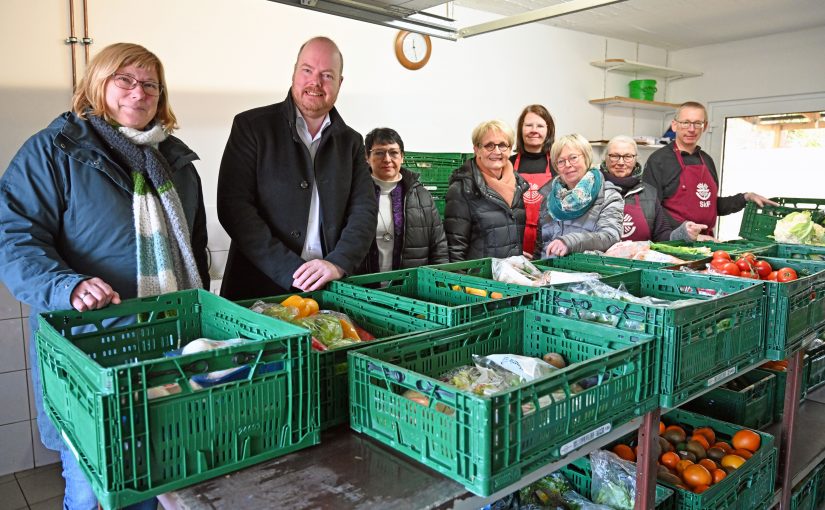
[20, 446]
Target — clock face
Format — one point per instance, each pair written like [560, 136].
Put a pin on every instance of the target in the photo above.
[412, 49]
[415, 48]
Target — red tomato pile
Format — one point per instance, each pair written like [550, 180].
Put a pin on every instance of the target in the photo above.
[748, 266]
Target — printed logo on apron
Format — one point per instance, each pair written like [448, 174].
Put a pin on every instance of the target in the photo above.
[703, 192]
[532, 195]
[628, 227]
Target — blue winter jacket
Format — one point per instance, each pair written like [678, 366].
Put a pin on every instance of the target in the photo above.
[66, 216]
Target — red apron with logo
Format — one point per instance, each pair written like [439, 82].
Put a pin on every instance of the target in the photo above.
[695, 198]
[634, 223]
[532, 203]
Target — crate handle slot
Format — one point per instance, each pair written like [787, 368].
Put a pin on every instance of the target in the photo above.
[196, 367]
[395, 375]
[428, 387]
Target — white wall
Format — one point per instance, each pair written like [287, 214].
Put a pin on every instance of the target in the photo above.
[223, 57]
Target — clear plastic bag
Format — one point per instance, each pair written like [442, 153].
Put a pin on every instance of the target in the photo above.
[521, 271]
[614, 480]
[285, 313]
[554, 492]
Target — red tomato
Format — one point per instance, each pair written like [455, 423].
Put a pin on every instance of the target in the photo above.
[771, 277]
[786, 274]
[744, 264]
[748, 255]
[721, 254]
[763, 268]
[749, 274]
[718, 263]
[730, 269]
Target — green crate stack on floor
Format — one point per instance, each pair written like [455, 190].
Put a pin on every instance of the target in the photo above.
[748, 400]
[487, 443]
[701, 343]
[383, 324]
[435, 169]
[805, 495]
[99, 366]
[437, 296]
[750, 486]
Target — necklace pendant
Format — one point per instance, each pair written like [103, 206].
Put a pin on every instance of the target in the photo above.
[387, 237]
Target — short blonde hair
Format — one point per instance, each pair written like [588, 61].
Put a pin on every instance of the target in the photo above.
[90, 95]
[575, 141]
[493, 125]
[691, 104]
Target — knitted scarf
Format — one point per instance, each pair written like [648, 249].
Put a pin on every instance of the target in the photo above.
[569, 204]
[504, 184]
[165, 260]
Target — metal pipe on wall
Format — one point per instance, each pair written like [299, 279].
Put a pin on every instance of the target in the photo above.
[72, 40]
[87, 41]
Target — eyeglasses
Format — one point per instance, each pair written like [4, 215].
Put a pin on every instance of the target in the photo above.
[381, 154]
[490, 147]
[684, 124]
[571, 160]
[124, 81]
[614, 158]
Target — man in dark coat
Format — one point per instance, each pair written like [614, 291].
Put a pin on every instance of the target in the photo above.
[294, 190]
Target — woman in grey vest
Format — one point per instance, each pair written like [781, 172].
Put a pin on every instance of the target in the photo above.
[643, 218]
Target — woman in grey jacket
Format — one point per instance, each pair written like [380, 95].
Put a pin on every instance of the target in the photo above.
[484, 211]
[584, 211]
[409, 232]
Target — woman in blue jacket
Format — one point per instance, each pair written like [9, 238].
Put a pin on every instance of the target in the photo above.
[102, 205]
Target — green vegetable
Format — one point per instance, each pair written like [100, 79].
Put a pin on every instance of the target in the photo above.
[681, 250]
[325, 328]
[798, 228]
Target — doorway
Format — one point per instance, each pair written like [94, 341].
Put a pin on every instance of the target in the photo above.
[771, 146]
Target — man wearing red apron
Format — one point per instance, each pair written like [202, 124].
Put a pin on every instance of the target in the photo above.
[685, 176]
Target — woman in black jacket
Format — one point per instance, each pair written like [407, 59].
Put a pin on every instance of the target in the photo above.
[484, 214]
[409, 232]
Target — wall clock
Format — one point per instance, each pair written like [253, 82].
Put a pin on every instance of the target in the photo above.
[413, 49]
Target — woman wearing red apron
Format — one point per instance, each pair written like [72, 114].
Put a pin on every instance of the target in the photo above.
[643, 217]
[536, 132]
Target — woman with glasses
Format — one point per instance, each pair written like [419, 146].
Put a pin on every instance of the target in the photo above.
[644, 218]
[484, 213]
[583, 212]
[409, 232]
[102, 205]
[535, 133]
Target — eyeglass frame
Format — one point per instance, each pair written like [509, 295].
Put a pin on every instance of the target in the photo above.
[135, 83]
[491, 147]
[383, 153]
[627, 158]
[686, 124]
[571, 159]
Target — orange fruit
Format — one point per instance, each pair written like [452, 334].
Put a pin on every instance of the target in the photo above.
[723, 445]
[312, 305]
[700, 489]
[702, 440]
[732, 461]
[298, 302]
[661, 428]
[718, 475]
[682, 465]
[746, 440]
[745, 454]
[669, 459]
[708, 432]
[709, 464]
[696, 475]
[624, 452]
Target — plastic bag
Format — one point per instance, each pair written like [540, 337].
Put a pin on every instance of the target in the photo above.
[285, 313]
[325, 328]
[481, 380]
[554, 492]
[526, 367]
[614, 480]
[521, 271]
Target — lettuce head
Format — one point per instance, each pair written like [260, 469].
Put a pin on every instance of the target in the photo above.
[795, 228]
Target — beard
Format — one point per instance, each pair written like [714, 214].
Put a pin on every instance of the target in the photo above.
[312, 105]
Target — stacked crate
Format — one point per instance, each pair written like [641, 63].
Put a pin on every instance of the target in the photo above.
[435, 169]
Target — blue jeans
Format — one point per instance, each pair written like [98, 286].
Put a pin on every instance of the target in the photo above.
[79, 495]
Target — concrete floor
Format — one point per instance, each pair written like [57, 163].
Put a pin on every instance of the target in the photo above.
[36, 489]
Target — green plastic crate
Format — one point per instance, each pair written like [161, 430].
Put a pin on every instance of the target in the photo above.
[752, 406]
[797, 251]
[794, 309]
[820, 485]
[604, 260]
[758, 223]
[816, 367]
[700, 343]
[98, 366]
[732, 247]
[804, 495]
[383, 324]
[579, 474]
[483, 268]
[437, 296]
[749, 487]
[781, 379]
[489, 442]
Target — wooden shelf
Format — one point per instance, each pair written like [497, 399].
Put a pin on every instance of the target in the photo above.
[629, 66]
[641, 104]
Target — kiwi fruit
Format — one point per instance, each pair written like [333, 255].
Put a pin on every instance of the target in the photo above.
[696, 448]
[665, 445]
[675, 436]
[686, 455]
[715, 454]
[669, 477]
